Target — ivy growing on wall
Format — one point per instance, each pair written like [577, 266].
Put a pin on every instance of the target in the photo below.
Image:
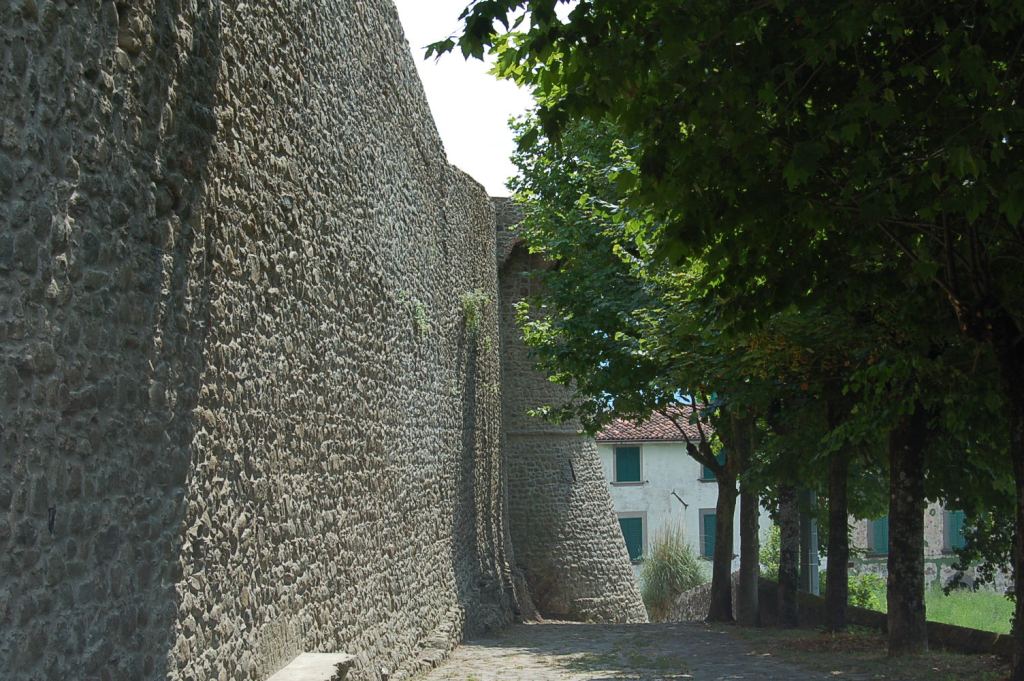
[474, 303]
[417, 310]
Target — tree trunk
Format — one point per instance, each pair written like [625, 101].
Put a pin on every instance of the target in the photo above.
[720, 609]
[789, 557]
[837, 583]
[1010, 353]
[742, 440]
[908, 633]
[808, 501]
[1017, 452]
[747, 610]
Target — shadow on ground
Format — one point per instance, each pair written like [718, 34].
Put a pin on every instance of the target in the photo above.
[627, 652]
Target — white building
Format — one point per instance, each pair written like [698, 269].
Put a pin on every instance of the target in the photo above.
[943, 535]
[655, 486]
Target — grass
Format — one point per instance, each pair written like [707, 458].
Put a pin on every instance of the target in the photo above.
[671, 568]
[861, 653]
[985, 610]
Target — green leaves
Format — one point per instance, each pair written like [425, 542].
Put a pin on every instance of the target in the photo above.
[962, 162]
[439, 48]
[1012, 202]
[528, 139]
[803, 164]
[856, 166]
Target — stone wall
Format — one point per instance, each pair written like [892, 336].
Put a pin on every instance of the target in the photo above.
[565, 535]
[241, 413]
[694, 605]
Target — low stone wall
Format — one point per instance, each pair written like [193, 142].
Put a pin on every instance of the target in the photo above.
[949, 636]
[938, 571]
[693, 605]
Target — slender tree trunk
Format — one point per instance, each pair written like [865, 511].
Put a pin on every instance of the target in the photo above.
[747, 610]
[808, 501]
[720, 609]
[1010, 354]
[1017, 452]
[789, 557]
[837, 583]
[742, 441]
[908, 633]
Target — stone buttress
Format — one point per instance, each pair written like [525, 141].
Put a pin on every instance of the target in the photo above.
[565, 536]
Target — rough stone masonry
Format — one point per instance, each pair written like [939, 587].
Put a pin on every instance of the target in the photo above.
[566, 539]
[250, 389]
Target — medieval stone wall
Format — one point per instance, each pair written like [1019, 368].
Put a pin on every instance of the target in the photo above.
[565, 536]
[242, 414]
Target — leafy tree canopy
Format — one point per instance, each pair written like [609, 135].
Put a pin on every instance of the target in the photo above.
[777, 139]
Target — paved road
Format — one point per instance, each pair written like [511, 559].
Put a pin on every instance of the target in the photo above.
[601, 652]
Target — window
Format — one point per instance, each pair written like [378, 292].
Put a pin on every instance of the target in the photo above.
[878, 536]
[708, 474]
[633, 533]
[707, 533]
[954, 530]
[627, 464]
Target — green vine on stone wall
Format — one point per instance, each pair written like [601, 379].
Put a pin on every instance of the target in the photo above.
[419, 315]
[473, 305]
[417, 309]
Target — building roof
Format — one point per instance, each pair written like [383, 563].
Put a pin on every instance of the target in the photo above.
[658, 428]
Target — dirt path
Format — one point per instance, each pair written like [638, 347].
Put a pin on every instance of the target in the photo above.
[599, 652]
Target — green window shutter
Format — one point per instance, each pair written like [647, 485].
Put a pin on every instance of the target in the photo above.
[707, 546]
[627, 464]
[633, 534]
[955, 530]
[708, 474]
[880, 535]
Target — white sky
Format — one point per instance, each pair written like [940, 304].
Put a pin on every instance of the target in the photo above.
[470, 106]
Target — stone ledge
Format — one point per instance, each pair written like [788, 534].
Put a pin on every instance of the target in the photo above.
[316, 667]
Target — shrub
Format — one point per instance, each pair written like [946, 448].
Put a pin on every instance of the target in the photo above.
[771, 550]
[671, 568]
[867, 591]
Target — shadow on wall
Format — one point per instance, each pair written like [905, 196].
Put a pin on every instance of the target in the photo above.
[112, 286]
[476, 584]
[187, 71]
[229, 439]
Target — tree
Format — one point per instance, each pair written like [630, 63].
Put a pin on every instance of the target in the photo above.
[837, 589]
[602, 321]
[778, 139]
[631, 335]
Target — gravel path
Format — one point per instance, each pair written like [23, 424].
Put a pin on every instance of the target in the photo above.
[601, 652]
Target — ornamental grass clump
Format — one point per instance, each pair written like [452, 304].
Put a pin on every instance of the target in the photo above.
[671, 568]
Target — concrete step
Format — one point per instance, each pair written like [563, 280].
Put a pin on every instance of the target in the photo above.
[316, 667]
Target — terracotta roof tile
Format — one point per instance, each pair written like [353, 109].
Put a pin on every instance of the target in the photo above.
[658, 428]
